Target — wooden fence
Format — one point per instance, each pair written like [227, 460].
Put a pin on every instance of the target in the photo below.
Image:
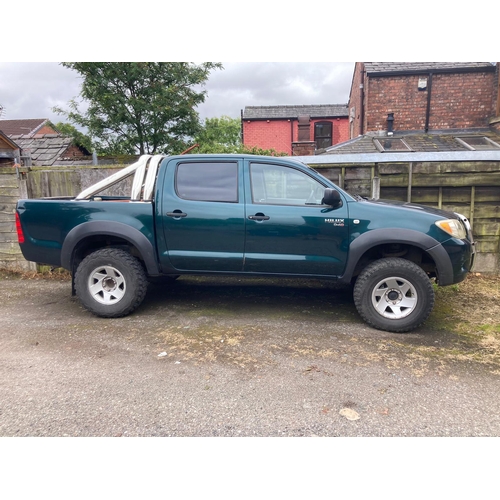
[468, 184]
[36, 183]
[10, 192]
[471, 187]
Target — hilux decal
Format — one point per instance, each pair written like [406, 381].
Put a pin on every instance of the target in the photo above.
[335, 222]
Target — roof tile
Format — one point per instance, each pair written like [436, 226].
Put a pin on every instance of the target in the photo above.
[22, 127]
[285, 112]
[398, 67]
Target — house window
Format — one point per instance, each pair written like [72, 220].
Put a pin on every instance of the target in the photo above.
[478, 142]
[323, 134]
[391, 144]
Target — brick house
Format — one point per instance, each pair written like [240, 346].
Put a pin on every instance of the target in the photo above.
[422, 96]
[42, 145]
[30, 127]
[295, 129]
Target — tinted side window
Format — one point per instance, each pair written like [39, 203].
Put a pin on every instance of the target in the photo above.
[207, 181]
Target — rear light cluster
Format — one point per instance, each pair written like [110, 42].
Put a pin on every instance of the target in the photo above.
[20, 234]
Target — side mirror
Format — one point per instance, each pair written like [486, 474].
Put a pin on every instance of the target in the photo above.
[332, 198]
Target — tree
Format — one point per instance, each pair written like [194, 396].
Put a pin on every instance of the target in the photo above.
[223, 135]
[79, 138]
[219, 135]
[139, 107]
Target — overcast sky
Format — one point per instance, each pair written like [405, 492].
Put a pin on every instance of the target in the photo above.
[265, 32]
[31, 90]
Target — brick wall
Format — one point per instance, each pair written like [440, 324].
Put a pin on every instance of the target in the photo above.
[303, 148]
[460, 100]
[355, 104]
[398, 95]
[277, 134]
[340, 130]
[470, 93]
[46, 129]
[272, 134]
[72, 152]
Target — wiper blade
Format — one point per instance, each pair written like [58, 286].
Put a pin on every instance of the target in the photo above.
[357, 197]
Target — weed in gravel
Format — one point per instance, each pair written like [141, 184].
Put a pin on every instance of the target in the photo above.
[47, 273]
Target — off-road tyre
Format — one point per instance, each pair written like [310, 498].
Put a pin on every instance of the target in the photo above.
[394, 295]
[110, 283]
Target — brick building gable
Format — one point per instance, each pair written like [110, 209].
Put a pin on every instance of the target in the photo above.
[276, 127]
[422, 96]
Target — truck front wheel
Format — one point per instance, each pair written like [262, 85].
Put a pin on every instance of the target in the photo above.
[394, 294]
[110, 283]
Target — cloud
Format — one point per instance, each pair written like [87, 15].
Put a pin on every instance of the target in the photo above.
[265, 84]
[31, 90]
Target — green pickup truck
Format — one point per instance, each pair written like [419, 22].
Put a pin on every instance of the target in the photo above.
[245, 215]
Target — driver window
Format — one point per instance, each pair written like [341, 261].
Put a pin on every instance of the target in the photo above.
[279, 185]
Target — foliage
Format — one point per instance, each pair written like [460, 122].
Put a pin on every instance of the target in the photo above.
[79, 138]
[219, 135]
[223, 135]
[139, 107]
[259, 151]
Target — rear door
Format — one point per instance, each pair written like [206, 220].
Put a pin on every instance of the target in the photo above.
[288, 229]
[203, 215]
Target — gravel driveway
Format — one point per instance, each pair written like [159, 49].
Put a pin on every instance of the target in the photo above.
[228, 357]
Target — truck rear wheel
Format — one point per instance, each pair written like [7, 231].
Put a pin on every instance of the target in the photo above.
[394, 294]
[110, 283]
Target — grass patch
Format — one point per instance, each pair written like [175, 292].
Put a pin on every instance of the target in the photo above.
[46, 273]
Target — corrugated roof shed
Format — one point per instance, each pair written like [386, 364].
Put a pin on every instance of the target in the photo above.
[291, 111]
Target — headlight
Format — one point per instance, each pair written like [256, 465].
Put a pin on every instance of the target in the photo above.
[453, 227]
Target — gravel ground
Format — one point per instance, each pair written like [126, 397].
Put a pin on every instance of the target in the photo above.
[220, 357]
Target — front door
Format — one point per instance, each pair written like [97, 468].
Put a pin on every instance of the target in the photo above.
[288, 229]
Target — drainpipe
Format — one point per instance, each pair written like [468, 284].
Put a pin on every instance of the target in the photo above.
[362, 93]
[428, 110]
[498, 90]
[242, 136]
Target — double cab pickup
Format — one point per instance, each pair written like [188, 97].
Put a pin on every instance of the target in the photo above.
[245, 215]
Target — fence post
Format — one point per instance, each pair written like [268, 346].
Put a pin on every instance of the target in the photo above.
[410, 176]
[376, 188]
[472, 203]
